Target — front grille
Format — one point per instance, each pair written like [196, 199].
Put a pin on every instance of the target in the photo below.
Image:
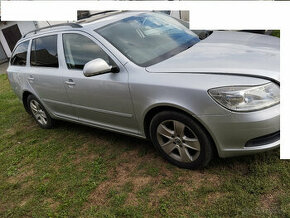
[264, 140]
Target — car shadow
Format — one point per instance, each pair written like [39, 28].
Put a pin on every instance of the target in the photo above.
[147, 147]
[107, 135]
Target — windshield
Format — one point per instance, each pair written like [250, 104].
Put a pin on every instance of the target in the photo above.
[148, 38]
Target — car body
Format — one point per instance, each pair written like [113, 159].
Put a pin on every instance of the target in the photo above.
[125, 101]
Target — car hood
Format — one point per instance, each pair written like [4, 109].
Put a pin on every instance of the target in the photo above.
[227, 52]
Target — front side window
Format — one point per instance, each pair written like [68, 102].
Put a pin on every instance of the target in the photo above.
[19, 55]
[148, 38]
[79, 50]
[44, 52]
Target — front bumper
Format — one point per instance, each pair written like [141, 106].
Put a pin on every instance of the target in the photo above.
[233, 132]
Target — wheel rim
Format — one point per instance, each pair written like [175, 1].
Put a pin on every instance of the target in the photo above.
[38, 112]
[178, 141]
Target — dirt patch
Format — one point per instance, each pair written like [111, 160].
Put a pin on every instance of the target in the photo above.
[127, 171]
[24, 173]
[83, 153]
[140, 181]
[52, 204]
[81, 158]
[193, 180]
[24, 201]
[10, 132]
[242, 169]
[213, 179]
[26, 184]
[132, 199]
[130, 170]
[212, 197]
[156, 196]
[25, 125]
[269, 201]
[118, 178]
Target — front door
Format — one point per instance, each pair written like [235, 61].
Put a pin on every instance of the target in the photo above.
[102, 100]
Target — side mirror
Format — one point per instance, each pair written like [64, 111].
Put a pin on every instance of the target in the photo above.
[96, 67]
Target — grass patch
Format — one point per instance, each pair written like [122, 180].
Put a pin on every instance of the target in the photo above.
[74, 170]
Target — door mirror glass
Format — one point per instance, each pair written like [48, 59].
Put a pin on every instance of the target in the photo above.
[96, 67]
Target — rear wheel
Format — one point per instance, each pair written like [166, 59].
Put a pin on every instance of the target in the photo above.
[39, 113]
[180, 140]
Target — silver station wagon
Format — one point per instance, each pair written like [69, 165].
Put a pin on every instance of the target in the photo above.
[144, 74]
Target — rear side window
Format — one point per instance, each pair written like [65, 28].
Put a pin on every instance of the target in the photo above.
[79, 50]
[19, 55]
[44, 52]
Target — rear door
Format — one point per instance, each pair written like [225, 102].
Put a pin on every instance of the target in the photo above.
[18, 67]
[46, 74]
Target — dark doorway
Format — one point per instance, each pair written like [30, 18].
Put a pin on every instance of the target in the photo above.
[12, 35]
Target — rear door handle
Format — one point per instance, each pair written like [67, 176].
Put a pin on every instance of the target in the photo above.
[70, 82]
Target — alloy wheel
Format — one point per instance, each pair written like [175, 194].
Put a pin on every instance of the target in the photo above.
[38, 112]
[178, 141]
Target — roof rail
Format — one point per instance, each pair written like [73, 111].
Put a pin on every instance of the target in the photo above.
[98, 15]
[73, 25]
[101, 12]
[95, 14]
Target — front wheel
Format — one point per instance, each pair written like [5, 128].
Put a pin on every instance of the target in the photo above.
[180, 140]
[39, 113]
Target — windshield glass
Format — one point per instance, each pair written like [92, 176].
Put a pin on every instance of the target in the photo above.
[148, 38]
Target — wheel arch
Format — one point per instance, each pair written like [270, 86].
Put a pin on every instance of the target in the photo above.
[160, 108]
[25, 95]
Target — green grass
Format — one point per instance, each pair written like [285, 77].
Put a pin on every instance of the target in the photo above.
[74, 170]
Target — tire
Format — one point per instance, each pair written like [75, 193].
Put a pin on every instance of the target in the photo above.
[39, 113]
[190, 148]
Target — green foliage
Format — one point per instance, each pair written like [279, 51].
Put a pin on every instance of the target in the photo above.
[276, 33]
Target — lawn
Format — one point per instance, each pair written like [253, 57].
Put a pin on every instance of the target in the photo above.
[74, 170]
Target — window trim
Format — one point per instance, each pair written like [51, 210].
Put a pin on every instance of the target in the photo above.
[27, 53]
[91, 37]
[57, 50]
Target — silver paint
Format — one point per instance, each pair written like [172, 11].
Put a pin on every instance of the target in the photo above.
[95, 67]
[120, 101]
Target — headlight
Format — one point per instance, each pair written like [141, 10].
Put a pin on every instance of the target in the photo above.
[247, 98]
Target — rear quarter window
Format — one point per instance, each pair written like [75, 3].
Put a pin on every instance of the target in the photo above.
[44, 52]
[19, 55]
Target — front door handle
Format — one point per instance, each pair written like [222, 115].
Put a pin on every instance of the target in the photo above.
[70, 82]
[31, 78]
